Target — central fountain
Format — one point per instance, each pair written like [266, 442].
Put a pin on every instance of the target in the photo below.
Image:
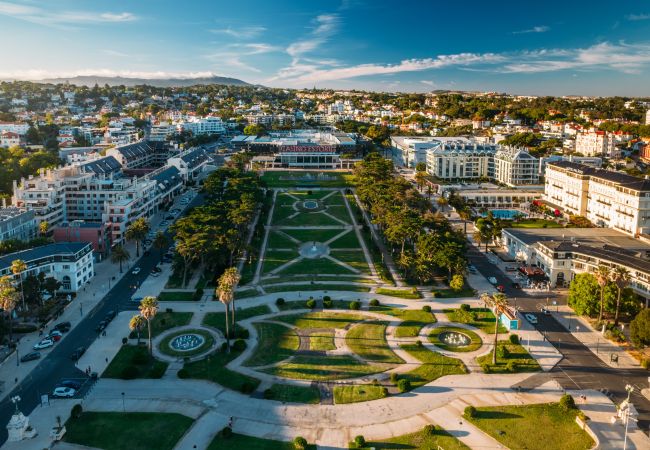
[455, 339]
[313, 250]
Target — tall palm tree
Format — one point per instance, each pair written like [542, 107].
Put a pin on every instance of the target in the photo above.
[160, 243]
[231, 277]
[17, 268]
[148, 310]
[603, 275]
[442, 202]
[120, 255]
[621, 277]
[8, 300]
[465, 216]
[225, 295]
[498, 302]
[137, 231]
[136, 324]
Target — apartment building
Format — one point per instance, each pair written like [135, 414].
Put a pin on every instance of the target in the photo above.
[14, 127]
[17, 223]
[259, 119]
[159, 132]
[190, 163]
[596, 143]
[460, 159]
[515, 167]
[142, 154]
[200, 126]
[607, 199]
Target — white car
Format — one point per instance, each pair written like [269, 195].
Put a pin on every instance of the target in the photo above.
[63, 391]
[44, 343]
[531, 318]
[136, 271]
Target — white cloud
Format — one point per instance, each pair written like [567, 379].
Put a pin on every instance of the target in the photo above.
[429, 83]
[325, 26]
[231, 55]
[61, 18]
[241, 33]
[538, 29]
[637, 17]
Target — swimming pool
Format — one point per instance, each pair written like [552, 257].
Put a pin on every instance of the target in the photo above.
[508, 214]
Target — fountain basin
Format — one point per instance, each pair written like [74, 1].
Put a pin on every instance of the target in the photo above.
[313, 250]
[455, 339]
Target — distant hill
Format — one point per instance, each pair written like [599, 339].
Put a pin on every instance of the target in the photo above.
[168, 82]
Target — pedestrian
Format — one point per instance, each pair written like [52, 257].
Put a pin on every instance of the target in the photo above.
[16, 380]
[106, 359]
[104, 333]
[230, 422]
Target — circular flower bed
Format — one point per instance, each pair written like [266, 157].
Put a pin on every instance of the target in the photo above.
[186, 343]
[455, 339]
[309, 206]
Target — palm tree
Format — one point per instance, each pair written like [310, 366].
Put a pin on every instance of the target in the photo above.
[120, 255]
[160, 243]
[603, 276]
[8, 299]
[225, 294]
[442, 202]
[44, 228]
[148, 310]
[17, 268]
[479, 238]
[137, 231]
[231, 277]
[465, 216]
[498, 302]
[621, 277]
[136, 324]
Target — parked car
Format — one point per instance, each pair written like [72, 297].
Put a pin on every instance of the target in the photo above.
[531, 318]
[170, 217]
[511, 269]
[78, 353]
[44, 343]
[72, 384]
[101, 326]
[492, 280]
[471, 269]
[54, 337]
[110, 316]
[516, 285]
[56, 333]
[136, 299]
[31, 356]
[63, 327]
[501, 288]
[545, 311]
[64, 392]
[136, 271]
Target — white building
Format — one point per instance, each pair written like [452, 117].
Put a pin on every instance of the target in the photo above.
[596, 143]
[159, 132]
[14, 127]
[17, 223]
[459, 159]
[259, 119]
[190, 163]
[514, 167]
[9, 139]
[202, 126]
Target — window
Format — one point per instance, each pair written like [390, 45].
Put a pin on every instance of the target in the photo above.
[66, 282]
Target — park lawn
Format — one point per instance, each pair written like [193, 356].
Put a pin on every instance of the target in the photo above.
[368, 340]
[136, 356]
[312, 235]
[293, 178]
[316, 287]
[430, 437]
[119, 430]
[282, 212]
[217, 319]
[278, 240]
[166, 296]
[309, 219]
[164, 321]
[409, 294]
[213, 368]
[434, 365]
[315, 267]
[306, 195]
[322, 340]
[358, 393]
[242, 442]
[277, 258]
[274, 344]
[518, 360]
[324, 368]
[355, 259]
[348, 240]
[450, 293]
[340, 212]
[293, 394]
[284, 199]
[321, 319]
[318, 278]
[545, 426]
[245, 293]
[413, 319]
[535, 223]
[481, 318]
[474, 345]
[335, 199]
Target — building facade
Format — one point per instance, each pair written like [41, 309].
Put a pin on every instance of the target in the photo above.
[515, 167]
[595, 143]
[18, 224]
[460, 160]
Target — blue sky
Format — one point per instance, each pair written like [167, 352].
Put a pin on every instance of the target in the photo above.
[551, 47]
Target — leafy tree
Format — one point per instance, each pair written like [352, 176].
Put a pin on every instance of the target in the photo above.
[254, 130]
[603, 276]
[148, 310]
[421, 167]
[8, 300]
[137, 231]
[621, 278]
[160, 243]
[639, 328]
[18, 267]
[44, 228]
[51, 285]
[583, 294]
[457, 282]
[136, 324]
[497, 302]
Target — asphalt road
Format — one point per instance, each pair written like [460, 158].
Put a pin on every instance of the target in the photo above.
[57, 364]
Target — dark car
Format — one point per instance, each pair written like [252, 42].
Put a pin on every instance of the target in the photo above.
[30, 357]
[170, 217]
[76, 355]
[63, 327]
[101, 326]
[516, 285]
[72, 384]
[110, 316]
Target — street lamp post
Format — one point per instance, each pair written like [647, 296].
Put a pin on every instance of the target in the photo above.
[123, 405]
[629, 388]
[17, 357]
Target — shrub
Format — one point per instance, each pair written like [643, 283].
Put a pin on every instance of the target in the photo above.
[582, 416]
[359, 442]
[465, 307]
[268, 394]
[435, 294]
[502, 351]
[514, 339]
[157, 371]
[300, 443]
[76, 411]
[384, 392]
[226, 432]
[469, 412]
[374, 302]
[239, 345]
[567, 403]
[457, 282]
[645, 363]
[169, 310]
[511, 366]
[311, 303]
[224, 347]
[355, 305]
[418, 343]
[129, 373]
[394, 377]
[243, 333]
[125, 340]
[404, 385]
[326, 298]
[485, 368]
[429, 430]
[328, 303]
[247, 387]
[280, 301]
[426, 308]
[183, 373]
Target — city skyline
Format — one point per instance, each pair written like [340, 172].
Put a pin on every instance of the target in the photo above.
[599, 50]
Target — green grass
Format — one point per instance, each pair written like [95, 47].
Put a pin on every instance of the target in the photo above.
[217, 320]
[316, 287]
[322, 340]
[450, 293]
[413, 319]
[475, 343]
[368, 340]
[295, 178]
[310, 235]
[324, 368]
[377, 258]
[278, 240]
[164, 347]
[348, 240]
[355, 259]
[274, 343]
[429, 438]
[166, 296]
[481, 318]
[305, 195]
[533, 427]
[434, 365]
[321, 319]
[358, 393]
[517, 360]
[277, 258]
[138, 357]
[340, 212]
[283, 211]
[246, 293]
[309, 219]
[318, 278]
[534, 223]
[165, 321]
[213, 368]
[293, 394]
[335, 199]
[315, 266]
[243, 442]
[409, 294]
[119, 430]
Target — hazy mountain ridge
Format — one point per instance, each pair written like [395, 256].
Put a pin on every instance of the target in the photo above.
[163, 82]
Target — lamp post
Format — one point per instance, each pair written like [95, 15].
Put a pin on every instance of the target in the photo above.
[123, 405]
[629, 388]
[17, 357]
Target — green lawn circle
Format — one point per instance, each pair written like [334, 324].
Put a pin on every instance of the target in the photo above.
[474, 345]
[208, 343]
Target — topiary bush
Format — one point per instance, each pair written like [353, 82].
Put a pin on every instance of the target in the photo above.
[239, 345]
[426, 308]
[326, 298]
[311, 303]
[403, 385]
[359, 442]
[280, 301]
[418, 343]
[394, 377]
[469, 412]
[374, 302]
[567, 402]
[76, 411]
[268, 394]
[514, 339]
[429, 430]
[300, 443]
[328, 303]
[355, 305]
[502, 351]
[465, 307]
[125, 340]
[243, 333]
[511, 366]
[224, 347]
